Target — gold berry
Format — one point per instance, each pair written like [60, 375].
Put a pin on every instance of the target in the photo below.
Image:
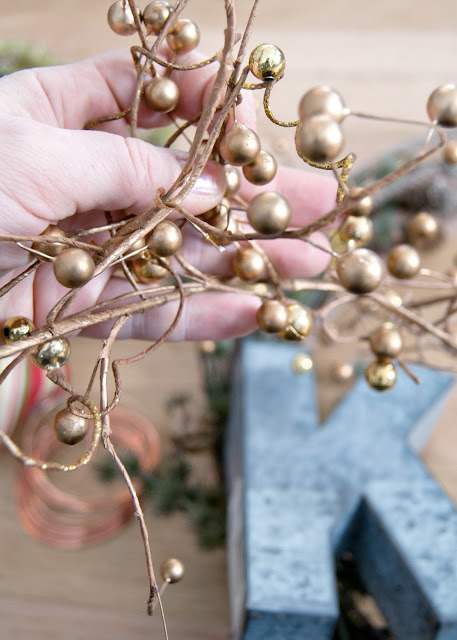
[272, 316]
[120, 18]
[359, 229]
[69, 427]
[240, 145]
[442, 105]
[262, 170]
[302, 364]
[381, 375]
[300, 322]
[185, 36]
[450, 152]
[165, 240]
[269, 213]
[17, 328]
[155, 15]
[249, 265]
[149, 270]
[319, 138]
[267, 62]
[51, 249]
[423, 230]
[403, 261]
[341, 371]
[161, 94]
[172, 570]
[363, 206]
[52, 354]
[360, 271]
[73, 267]
[386, 341]
[322, 100]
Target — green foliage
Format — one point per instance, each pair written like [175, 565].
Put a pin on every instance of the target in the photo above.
[16, 55]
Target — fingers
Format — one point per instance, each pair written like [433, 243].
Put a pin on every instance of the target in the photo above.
[68, 96]
[86, 170]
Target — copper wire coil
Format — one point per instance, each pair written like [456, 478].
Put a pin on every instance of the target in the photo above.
[68, 521]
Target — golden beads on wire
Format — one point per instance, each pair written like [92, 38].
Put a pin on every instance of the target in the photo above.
[267, 62]
[363, 206]
[319, 138]
[73, 267]
[149, 270]
[360, 271]
[403, 261]
[69, 427]
[165, 240]
[269, 213]
[52, 354]
[249, 265]
[381, 375]
[300, 322]
[172, 570]
[161, 94]
[50, 249]
[120, 18]
[262, 170]
[155, 15]
[272, 316]
[442, 105]
[16, 328]
[386, 341]
[185, 36]
[240, 145]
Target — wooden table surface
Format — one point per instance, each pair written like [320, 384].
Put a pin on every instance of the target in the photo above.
[385, 58]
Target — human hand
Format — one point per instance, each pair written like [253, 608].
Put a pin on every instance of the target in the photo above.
[55, 173]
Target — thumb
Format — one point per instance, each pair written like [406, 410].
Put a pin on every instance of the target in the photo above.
[50, 174]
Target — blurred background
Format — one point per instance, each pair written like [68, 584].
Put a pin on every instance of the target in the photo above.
[385, 58]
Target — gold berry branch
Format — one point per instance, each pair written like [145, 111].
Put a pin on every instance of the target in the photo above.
[147, 250]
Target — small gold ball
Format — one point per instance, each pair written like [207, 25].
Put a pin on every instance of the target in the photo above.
[359, 229]
[262, 170]
[51, 249]
[341, 371]
[70, 428]
[17, 328]
[148, 270]
[403, 261]
[185, 36]
[155, 15]
[232, 175]
[52, 354]
[240, 145]
[362, 207]
[302, 364]
[386, 341]
[139, 244]
[267, 62]
[450, 152]
[423, 230]
[172, 570]
[300, 322]
[339, 245]
[207, 347]
[269, 213]
[442, 105]
[249, 265]
[161, 94]
[218, 216]
[319, 138]
[120, 18]
[322, 100]
[73, 267]
[360, 271]
[272, 316]
[165, 240]
[381, 375]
